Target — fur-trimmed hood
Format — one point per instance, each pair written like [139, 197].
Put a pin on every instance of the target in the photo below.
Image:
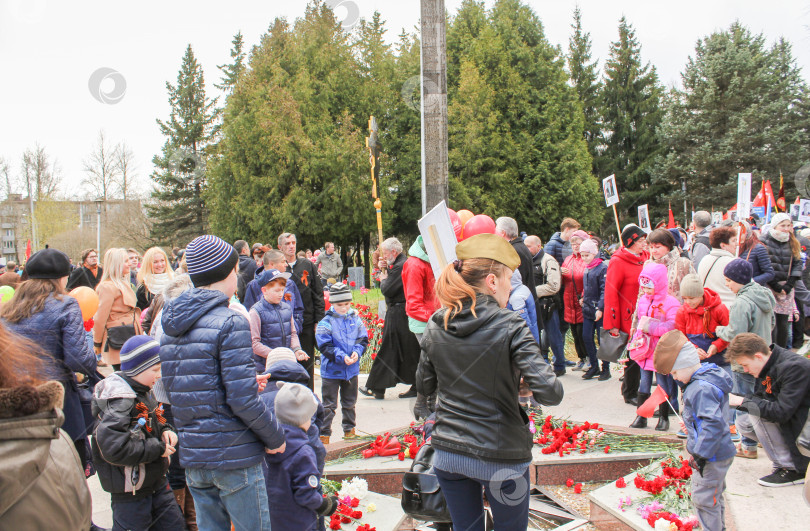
[27, 400]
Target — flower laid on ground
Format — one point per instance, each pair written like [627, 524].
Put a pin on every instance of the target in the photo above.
[558, 436]
[371, 507]
[668, 494]
[625, 502]
[667, 521]
[621, 483]
[569, 483]
[356, 488]
[565, 439]
[578, 488]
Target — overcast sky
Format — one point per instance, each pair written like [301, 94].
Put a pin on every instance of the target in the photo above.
[50, 49]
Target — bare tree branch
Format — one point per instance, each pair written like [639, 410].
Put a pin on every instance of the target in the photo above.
[101, 167]
[125, 166]
[40, 174]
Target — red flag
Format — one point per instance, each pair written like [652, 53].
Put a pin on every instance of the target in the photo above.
[658, 397]
[769, 193]
[28, 250]
[780, 200]
[671, 222]
[760, 199]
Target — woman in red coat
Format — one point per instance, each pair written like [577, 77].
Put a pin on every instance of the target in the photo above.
[573, 270]
[621, 294]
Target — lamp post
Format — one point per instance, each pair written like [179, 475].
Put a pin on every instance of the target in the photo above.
[98, 202]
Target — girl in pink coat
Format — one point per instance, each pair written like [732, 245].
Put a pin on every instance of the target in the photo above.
[656, 311]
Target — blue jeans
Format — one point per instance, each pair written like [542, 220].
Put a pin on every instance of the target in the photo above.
[743, 386]
[222, 497]
[508, 500]
[589, 330]
[552, 336]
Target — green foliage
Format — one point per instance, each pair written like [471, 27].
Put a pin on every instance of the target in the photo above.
[179, 212]
[743, 108]
[585, 77]
[631, 111]
[231, 72]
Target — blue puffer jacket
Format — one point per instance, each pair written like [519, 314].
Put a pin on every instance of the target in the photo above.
[59, 330]
[276, 328]
[558, 248]
[593, 294]
[253, 294]
[208, 371]
[760, 260]
[339, 336]
[293, 484]
[705, 409]
[294, 372]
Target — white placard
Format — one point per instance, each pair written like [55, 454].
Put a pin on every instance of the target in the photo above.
[644, 219]
[804, 210]
[743, 195]
[610, 190]
[439, 237]
[717, 218]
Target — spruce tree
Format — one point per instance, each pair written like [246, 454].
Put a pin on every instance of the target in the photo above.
[179, 210]
[585, 77]
[629, 141]
[743, 108]
[232, 71]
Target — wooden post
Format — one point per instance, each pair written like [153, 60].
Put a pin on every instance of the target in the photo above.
[618, 228]
[434, 104]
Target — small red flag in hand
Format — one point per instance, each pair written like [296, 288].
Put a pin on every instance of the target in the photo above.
[658, 397]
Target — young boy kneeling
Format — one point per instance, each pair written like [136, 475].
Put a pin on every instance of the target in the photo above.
[705, 409]
[342, 339]
[132, 442]
[293, 476]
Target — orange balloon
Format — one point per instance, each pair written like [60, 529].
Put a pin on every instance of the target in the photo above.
[88, 301]
[464, 216]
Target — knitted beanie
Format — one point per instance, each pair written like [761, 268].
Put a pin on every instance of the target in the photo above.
[295, 404]
[209, 260]
[779, 218]
[631, 234]
[739, 270]
[588, 246]
[279, 354]
[691, 286]
[339, 292]
[676, 235]
[138, 354]
[581, 234]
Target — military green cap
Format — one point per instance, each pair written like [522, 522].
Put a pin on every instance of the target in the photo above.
[488, 246]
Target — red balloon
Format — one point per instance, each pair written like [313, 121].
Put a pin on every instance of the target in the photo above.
[458, 227]
[480, 224]
[464, 216]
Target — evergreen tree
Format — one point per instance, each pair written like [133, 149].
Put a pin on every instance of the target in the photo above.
[585, 77]
[743, 108]
[180, 212]
[630, 143]
[231, 72]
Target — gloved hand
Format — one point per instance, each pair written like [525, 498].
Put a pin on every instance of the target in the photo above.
[698, 463]
[328, 506]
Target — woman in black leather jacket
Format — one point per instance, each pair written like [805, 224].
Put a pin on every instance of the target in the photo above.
[474, 353]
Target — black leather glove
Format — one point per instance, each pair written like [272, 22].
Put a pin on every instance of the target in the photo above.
[698, 463]
[328, 506]
[788, 286]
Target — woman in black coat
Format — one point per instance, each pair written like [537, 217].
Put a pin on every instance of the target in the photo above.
[474, 354]
[399, 352]
[785, 252]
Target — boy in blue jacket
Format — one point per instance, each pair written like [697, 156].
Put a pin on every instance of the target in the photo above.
[207, 365]
[706, 391]
[342, 338]
[293, 488]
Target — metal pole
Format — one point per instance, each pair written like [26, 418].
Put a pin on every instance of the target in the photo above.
[98, 227]
[685, 215]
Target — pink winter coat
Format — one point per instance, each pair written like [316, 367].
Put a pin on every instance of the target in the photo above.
[660, 306]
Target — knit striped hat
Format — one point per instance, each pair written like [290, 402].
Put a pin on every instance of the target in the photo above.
[138, 354]
[209, 260]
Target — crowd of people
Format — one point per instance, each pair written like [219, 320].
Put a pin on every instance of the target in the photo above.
[210, 416]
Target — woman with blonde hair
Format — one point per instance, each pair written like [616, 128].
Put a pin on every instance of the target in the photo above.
[474, 353]
[153, 277]
[115, 319]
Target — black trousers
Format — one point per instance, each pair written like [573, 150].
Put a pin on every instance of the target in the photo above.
[307, 339]
[579, 341]
[780, 331]
[158, 512]
[632, 377]
[348, 399]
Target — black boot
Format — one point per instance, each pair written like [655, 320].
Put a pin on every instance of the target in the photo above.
[640, 422]
[663, 418]
[410, 393]
[590, 373]
[605, 374]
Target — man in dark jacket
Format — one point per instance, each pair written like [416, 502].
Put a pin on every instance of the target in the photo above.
[208, 372]
[508, 228]
[399, 352]
[89, 274]
[247, 266]
[775, 414]
[549, 300]
[559, 247]
[305, 276]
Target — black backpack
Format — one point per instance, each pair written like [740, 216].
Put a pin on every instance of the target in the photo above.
[422, 496]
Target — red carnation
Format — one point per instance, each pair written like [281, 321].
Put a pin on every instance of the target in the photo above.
[569, 483]
[352, 283]
[334, 524]
[607, 449]
[355, 503]
[401, 456]
[621, 483]
[578, 488]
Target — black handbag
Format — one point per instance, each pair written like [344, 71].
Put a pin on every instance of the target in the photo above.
[422, 496]
[118, 335]
[611, 347]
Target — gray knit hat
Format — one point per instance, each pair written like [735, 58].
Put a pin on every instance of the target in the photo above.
[339, 292]
[691, 286]
[295, 404]
[280, 354]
